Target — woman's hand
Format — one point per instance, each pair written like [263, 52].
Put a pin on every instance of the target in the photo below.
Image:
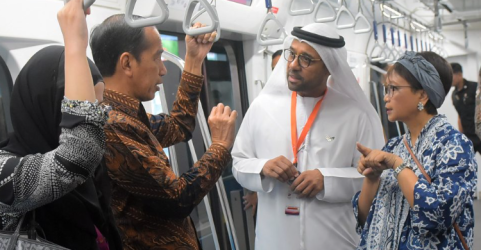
[74, 25]
[78, 79]
[373, 162]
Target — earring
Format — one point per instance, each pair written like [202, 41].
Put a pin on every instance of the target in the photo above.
[420, 106]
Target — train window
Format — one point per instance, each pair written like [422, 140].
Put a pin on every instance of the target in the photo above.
[6, 85]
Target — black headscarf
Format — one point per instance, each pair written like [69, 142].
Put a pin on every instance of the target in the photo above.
[35, 103]
[35, 108]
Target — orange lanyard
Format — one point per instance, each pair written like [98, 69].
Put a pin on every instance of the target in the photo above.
[296, 144]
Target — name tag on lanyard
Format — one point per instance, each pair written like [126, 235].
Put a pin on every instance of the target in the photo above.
[298, 145]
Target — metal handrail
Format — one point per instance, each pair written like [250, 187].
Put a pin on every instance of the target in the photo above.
[211, 11]
[361, 17]
[341, 10]
[302, 11]
[86, 3]
[180, 63]
[328, 18]
[145, 22]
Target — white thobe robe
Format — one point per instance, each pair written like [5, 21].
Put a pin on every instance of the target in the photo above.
[326, 221]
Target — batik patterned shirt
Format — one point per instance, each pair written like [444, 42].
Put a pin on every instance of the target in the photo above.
[150, 203]
[34, 180]
[448, 158]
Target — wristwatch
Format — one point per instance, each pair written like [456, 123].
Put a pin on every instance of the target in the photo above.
[401, 168]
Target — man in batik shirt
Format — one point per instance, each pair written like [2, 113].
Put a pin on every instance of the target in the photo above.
[150, 203]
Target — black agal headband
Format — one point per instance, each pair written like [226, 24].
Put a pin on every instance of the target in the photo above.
[322, 40]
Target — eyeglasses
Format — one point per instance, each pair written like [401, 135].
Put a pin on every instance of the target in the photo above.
[390, 89]
[304, 60]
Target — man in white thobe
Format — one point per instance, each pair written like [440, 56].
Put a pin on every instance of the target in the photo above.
[305, 189]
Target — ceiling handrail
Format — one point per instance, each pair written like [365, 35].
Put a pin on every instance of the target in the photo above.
[342, 10]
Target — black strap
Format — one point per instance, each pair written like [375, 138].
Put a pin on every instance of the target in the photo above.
[318, 39]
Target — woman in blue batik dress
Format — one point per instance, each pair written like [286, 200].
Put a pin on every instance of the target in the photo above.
[398, 206]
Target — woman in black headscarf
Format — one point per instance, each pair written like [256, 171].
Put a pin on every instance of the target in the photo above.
[49, 163]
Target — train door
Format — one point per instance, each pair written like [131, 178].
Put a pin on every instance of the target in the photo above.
[221, 222]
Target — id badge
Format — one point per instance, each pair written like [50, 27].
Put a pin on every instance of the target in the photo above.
[291, 210]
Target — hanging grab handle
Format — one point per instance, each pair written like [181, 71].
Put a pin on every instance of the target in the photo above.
[412, 42]
[302, 11]
[392, 37]
[198, 14]
[327, 18]
[145, 22]
[406, 41]
[381, 56]
[361, 18]
[399, 38]
[87, 3]
[203, 30]
[268, 42]
[342, 10]
[384, 33]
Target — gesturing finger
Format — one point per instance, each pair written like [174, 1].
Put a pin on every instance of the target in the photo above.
[363, 149]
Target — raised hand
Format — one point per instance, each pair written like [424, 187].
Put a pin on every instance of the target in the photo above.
[199, 46]
[73, 24]
[222, 125]
[78, 79]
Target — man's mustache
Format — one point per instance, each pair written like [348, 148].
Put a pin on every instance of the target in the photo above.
[294, 75]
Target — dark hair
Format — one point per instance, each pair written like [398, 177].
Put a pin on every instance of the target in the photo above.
[112, 38]
[276, 54]
[457, 68]
[442, 67]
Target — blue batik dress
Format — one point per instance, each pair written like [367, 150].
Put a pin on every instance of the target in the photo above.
[448, 158]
